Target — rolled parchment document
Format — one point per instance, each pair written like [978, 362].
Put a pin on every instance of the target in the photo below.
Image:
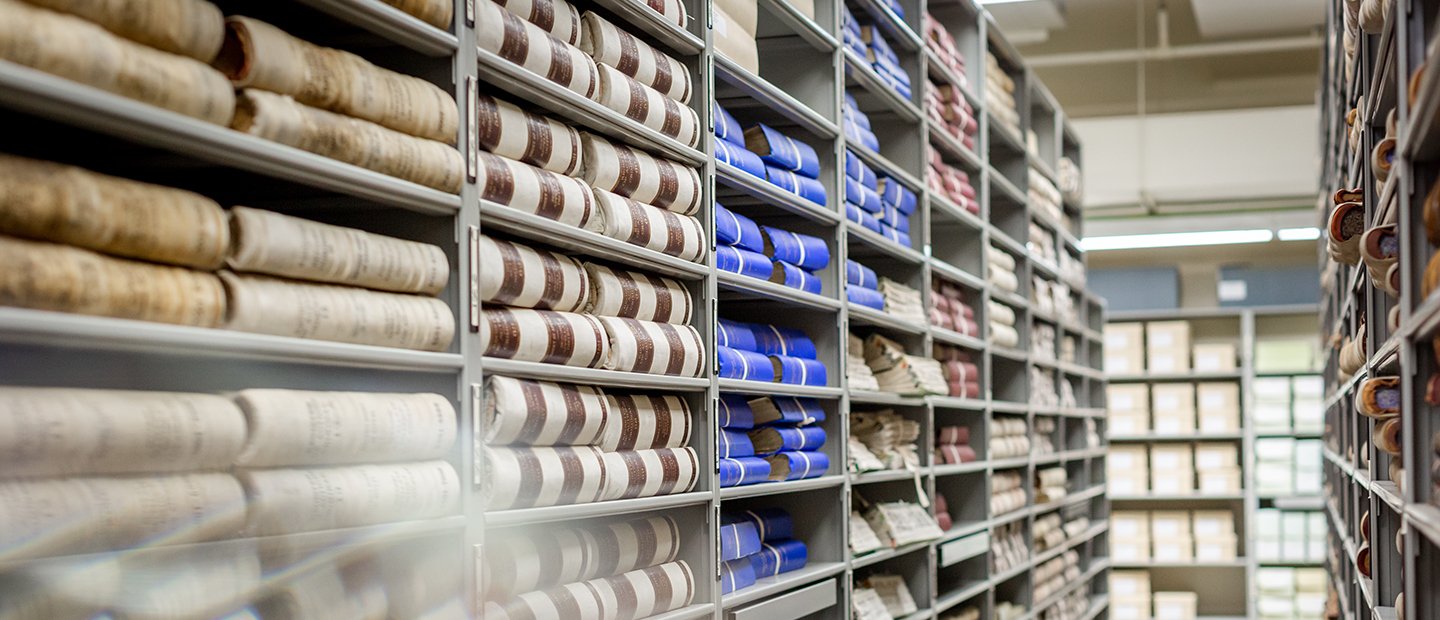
[421, 576]
[198, 583]
[325, 593]
[636, 594]
[193, 28]
[544, 336]
[541, 413]
[279, 118]
[647, 106]
[646, 422]
[437, 13]
[557, 17]
[640, 176]
[527, 562]
[270, 243]
[75, 49]
[647, 473]
[505, 129]
[284, 501]
[672, 10]
[68, 431]
[526, 188]
[542, 476]
[260, 56]
[517, 275]
[47, 276]
[617, 48]
[59, 589]
[66, 204]
[637, 295]
[649, 227]
[47, 517]
[505, 34]
[296, 427]
[653, 348]
[264, 305]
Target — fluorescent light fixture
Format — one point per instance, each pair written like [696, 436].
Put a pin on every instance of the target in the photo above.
[1309, 233]
[1176, 240]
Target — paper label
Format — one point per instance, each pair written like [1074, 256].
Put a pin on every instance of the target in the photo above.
[1233, 290]
[1162, 363]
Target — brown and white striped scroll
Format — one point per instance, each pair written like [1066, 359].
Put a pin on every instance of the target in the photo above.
[279, 118]
[544, 336]
[517, 275]
[437, 13]
[541, 413]
[49, 276]
[282, 245]
[648, 591]
[648, 473]
[637, 295]
[284, 501]
[524, 187]
[649, 227]
[524, 477]
[506, 35]
[653, 348]
[265, 305]
[572, 601]
[610, 45]
[640, 176]
[672, 10]
[557, 17]
[74, 206]
[76, 49]
[260, 56]
[193, 28]
[520, 563]
[647, 106]
[509, 131]
[645, 422]
[637, 543]
[297, 427]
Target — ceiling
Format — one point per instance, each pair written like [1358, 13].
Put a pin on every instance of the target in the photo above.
[1125, 57]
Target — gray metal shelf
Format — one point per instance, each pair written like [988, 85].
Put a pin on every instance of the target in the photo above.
[391, 23]
[551, 232]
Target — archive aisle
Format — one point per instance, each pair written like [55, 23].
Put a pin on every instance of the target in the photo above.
[536, 308]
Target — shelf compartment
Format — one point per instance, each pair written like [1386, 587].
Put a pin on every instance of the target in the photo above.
[896, 30]
[862, 315]
[392, 24]
[551, 232]
[870, 244]
[734, 286]
[782, 582]
[550, 514]
[860, 74]
[647, 20]
[762, 489]
[755, 190]
[592, 376]
[729, 75]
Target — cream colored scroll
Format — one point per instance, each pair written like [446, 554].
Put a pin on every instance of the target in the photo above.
[540, 192]
[528, 477]
[654, 348]
[655, 229]
[279, 118]
[640, 176]
[48, 276]
[1003, 279]
[66, 204]
[263, 305]
[285, 501]
[1004, 335]
[557, 17]
[437, 13]
[202, 582]
[648, 473]
[514, 133]
[505, 34]
[1000, 313]
[541, 413]
[422, 577]
[672, 10]
[296, 427]
[517, 275]
[647, 106]
[260, 56]
[324, 594]
[68, 431]
[637, 295]
[522, 563]
[649, 591]
[646, 422]
[78, 588]
[544, 336]
[996, 256]
[78, 50]
[633, 57]
[270, 243]
[193, 28]
[46, 517]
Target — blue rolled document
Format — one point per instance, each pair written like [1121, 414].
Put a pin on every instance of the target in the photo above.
[771, 439]
[789, 411]
[781, 151]
[798, 465]
[742, 471]
[870, 298]
[734, 412]
[807, 188]
[901, 237]
[855, 168]
[745, 365]
[735, 444]
[794, 277]
[860, 275]
[895, 194]
[738, 540]
[861, 135]
[893, 218]
[736, 155]
[771, 523]
[743, 262]
[806, 251]
[788, 341]
[799, 370]
[861, 217]
[857, 194]
[731, 228]
[852, 109]
[736, 575]
[781, 556]
[735, 335]
[726, 127]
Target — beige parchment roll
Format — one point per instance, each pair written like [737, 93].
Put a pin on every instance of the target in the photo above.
[75, 49]
[544, 336]
[193, 28]
[646, 422]
[187, 584]
[640, 176]
[525, 477]
[279, 118]
[672, 10]
[653, 348]
[437, 13]
[649, 227]
[282, 245]
[59, 589]
[48, 276]
[542, 413]
[509, 36]
[637, 295]
[509, 131]
[285, 501]
[524, 187]
[557, 17]
[648, 473]
[517, 275]
[648, 106]
[299, 427]
[260, 56]
[265, 305]
[610, 45]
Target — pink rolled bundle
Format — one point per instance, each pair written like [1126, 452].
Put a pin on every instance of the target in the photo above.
[954, 435]
[955, 454]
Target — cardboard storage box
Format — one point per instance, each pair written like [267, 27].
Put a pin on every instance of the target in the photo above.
[1177, 549]
[1215, 357]
[1128, 398]
[1216, 548]
[1216, 456]
[1219, 481]
[1212, 523]
[1217, 407]
[1167, 335]
[1166, 398]
[1130, 607]
[1129, 549]
[1123, 459]
[1130, 524]
[1175, 605]
[1130, 483]
[1129, 423]
[1167, 457]
[1130, 583]
[1124, 348]
[1271, 417]
[1169, 524]
[1172, 481]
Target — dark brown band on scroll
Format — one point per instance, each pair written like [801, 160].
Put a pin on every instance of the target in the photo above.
[669, 188]
[639, 108]
[662, 419]
[628, 167]
[499, 184]
[538, 143]
[512, 281]
[552, 197]
[598, 329]
[629, 53]
[531, 475]
[514, 46]
[663, 589]
[566, 606]
[671, 126]
[644, 346]
[534, 402]
[674, 233]
[664, 297]
[664, 79]
[629, 433]
[626, 601]
[639, 224]
[676, 363]
[542, 14]
[572, 476]
[553, 284]
[560, 70]
[504, 333]
[559, 338]
[574, 413]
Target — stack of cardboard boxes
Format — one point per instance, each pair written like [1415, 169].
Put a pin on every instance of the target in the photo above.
[1285, 405]
[1174, 408]
[1286, 466]
[1131, 599]
[1173, 536]
[1290, 593]
[1207, 468]
[1289, 536]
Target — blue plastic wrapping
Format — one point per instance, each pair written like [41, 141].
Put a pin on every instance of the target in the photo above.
[859, 195]
[772, 340]
[778, 150]
[852, 111]
[893, 218]
[743, 471]
[809, 189]
[894, 6]
[726, 127]
[794, 277]
[860, 275]
[731, 228]
[870, 298]
[800, 371]
[743, 262]
[861, 217]
[746, 365]
[859, 134]
[738, 540]
[798, 465]
[807, 251]
[771, 523]
[895, 194]
[735, 444]
[735, 335]
[734, 412]
[787, 438]
[855, 168]
[736, 155]
[879, 47]
[736, 575]
[793, 411]
[901, 237]
[781, 556]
